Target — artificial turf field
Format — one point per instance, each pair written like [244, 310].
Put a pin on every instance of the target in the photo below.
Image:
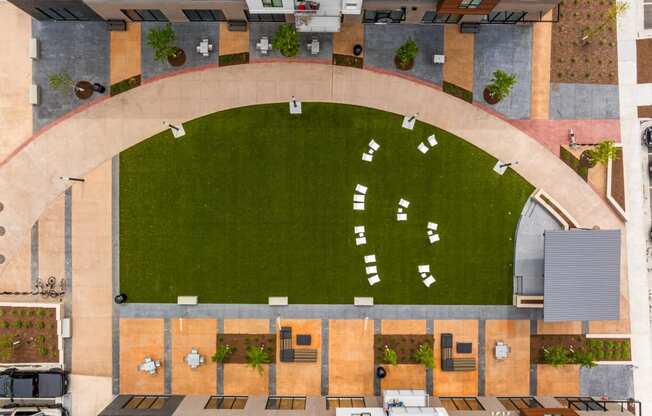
[253, 202]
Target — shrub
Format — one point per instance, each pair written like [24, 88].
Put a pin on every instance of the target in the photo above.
[222, 354]
[29, 324]
[458, 92]
[18, 324]
[32, 312]
[390, 356]
[407, 52]
[40, 325]
[6, 347]
[256, 357]
[234, 59]
[60, 81]
[602, 153]
[2, 313]
[501, 84]
[347, 60]
[286, 40]
[41, 313]
[583, 358]
[43, 352]
[555, 356]
[5, 324]
[15, 312]
[40, 339]
[162, 41]
[424, 356]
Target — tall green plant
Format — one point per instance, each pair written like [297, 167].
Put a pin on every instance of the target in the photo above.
[286, 40]
[501, 84]
[6, 348]
[390, 356]
[162, 41]
[556, 356]
[603, 152]
[407, 52]
[60, 82]
[222, 354]
[256, 357]
[424, 356]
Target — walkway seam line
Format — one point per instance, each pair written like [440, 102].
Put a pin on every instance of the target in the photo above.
[67, 297]
[115, 271]
[34, 263]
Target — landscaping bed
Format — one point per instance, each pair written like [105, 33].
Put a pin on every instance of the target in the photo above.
[618, 179]
[28, 335]
[240, 342]
[125, 85]
[458, 92]
[569, 157]
[613, 349]
[234, 59]
[404, 345]
[572, 61]
[347, 60]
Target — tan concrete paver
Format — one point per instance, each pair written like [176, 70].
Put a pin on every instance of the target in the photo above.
[186, 335]
[351, 33]
[456, 383]
[240, 378]
[140, 338]
[92, 274]
[246, 326]
[125, 53]
[569, 327]
[541, 52]
[51, 245]
[511, 375]
[15, 77]
[458, 49]
[404, 376]
[90, 394]
[402, 327]
[232, 42]
[351, 356]
[300, 378]
[17, 276]
[558, 381]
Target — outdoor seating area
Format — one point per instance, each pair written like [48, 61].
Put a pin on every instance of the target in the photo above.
[193, 359]
[501, 350]
[150, 366]
[204, 47]
[448, 363]
[296, 355]
[264, 45]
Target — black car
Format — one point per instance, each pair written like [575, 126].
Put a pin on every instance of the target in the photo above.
[647, 136]
[33, 384]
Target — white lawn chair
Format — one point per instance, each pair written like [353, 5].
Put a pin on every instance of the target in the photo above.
[423, 148]
[400, 210]
[358, 206]
[432, 141]
[373, 280]
[360, 241]
[401, 217]
[372, 144]
[433, 238]
[371, 258]
[361, 189]
[371, 269]
[358, 229]
[358, 198]
[404, 203]
[424, 268]
[432, 226]
[430, 280]
[367, 157]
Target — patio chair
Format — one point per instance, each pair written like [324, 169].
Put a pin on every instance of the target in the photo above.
[373, 280]
[423, 148]
[424, 268]
[401, 217]
[404, 203]
[433, 238]
[201, 359]
[157, 363]
[367, 157]
[358, 198]
[428, 281]
[432, 141]
[432, 226]
[358, 206]
[361, 189]
[375, 146]
[371, 269]
[358, 229]
[371, 258]
[361, 241]
[430, 232]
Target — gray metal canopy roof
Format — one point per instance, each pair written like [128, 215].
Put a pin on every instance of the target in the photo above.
[581, 275]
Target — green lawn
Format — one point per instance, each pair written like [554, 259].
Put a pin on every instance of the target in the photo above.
[254, 203]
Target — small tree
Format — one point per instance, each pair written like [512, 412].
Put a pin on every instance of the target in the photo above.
[286, 40]
[407, 52]
[424, 356]
[501, 84]
[555, 356]
[390, 356]
[162, 41]
[60, 82]
[222, 354]
[609, 18]
[603, 152]
[256, 357]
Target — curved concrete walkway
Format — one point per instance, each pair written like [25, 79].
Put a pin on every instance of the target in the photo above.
[74, 146]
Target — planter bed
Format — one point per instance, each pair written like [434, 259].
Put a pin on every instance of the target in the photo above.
[125, 85]
[240, 342]
[615, 349]
[404, 345]
[35, 328]
[234, 59]
[347, 60]
[618, 180]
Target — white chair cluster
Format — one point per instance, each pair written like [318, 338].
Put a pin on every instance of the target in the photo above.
[402, 206]
[432, 142]
[432, 236]
[371, 269]
[358, 197]
[368, 156]
[424, 272]
[360, 239]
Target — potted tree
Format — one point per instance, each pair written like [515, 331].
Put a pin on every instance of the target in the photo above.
[83, 89]
[256, 357]
[500, 87]
[286, 40]
[404, 59]
[601, 153]
[162, 41]
[390, 356]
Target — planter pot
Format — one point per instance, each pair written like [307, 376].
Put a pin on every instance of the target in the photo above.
[488, 97]
[381, 372]
[83, 90]
[179, 57]
[121, 298]
[403, 66]
[357, 50]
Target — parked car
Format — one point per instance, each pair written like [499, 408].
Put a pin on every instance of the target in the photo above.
[33, 411]
[19, 384]
[647, 136]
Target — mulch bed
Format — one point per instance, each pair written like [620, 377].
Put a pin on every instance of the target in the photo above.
[618, 180]
[240, 342]
[573, 62]
[234, 59]
[348, 60]
[125, 85]
[643, 58]
[603, 349]
[404, 345]
[36, 331]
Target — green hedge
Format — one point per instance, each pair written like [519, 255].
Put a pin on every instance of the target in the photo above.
[125, 85]
[458, 92]
[234, 59]
[348, 60]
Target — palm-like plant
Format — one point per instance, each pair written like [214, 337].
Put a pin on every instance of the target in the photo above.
[407, 52]
[424, 356]
[162, 41]
[603, 152]
[286, 40]
[390, 356]
[60, 81]
[256, 357]
[222, 354]
[501, 84]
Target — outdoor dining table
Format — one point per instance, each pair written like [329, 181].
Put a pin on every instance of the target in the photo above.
[193, 359]
[148, 366]
[501, 350]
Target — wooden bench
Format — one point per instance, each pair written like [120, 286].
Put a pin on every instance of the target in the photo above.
[463, 364]
[363, 301]
[33, 48]
[34, 94]
[305, 355]
[277, 301]
[186, 300]
[237, 25]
